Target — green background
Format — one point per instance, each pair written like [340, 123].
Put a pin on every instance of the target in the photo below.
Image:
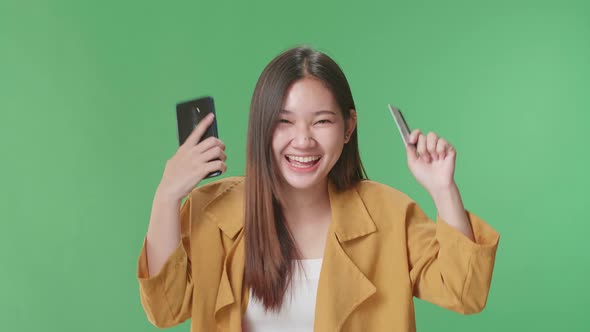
[87, 95]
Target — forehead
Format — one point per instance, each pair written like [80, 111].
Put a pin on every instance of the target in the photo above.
[309, 95]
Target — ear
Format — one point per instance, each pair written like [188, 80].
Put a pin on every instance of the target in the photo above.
[350, 125]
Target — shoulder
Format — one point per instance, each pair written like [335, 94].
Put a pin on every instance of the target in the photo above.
[383, 202]
[372, 191]
[386, 206]
[217, 189]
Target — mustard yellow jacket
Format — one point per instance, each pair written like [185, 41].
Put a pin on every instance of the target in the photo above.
[381, 251]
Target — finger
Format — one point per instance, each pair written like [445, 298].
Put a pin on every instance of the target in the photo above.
[441, 148]
[199, 130]
[413, 138]
[431, 139]
[209, 143]
[421, 148]
[411, 152]
[214, 153]
[223, 156]
[451, 152]
[215, 165]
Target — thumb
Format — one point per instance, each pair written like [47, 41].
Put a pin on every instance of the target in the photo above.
[411, 152]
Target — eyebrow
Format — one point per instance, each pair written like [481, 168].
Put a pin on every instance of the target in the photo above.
[322, 112]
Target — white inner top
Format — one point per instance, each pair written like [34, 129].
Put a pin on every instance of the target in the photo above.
[298, 310]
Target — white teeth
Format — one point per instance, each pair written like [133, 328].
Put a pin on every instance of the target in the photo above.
[305, 159]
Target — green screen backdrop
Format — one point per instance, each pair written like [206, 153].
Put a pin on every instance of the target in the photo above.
[87, 96]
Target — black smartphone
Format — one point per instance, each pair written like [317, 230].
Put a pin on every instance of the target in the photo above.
[189, 114]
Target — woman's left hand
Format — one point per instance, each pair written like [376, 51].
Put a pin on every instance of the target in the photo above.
[431, 160]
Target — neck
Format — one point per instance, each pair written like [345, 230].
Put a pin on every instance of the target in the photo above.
[306, 205]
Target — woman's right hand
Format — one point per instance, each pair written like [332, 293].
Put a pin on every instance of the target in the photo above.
[192, 162]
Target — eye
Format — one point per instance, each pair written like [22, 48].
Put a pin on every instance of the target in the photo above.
[284, 121]
[324, 121]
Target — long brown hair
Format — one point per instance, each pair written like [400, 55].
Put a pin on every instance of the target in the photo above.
[270, 247]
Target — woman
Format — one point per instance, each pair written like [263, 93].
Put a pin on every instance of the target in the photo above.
[304, 242]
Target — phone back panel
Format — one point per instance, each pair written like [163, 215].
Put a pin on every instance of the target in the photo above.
[190, 113]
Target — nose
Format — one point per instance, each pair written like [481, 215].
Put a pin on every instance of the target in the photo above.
[303, 138]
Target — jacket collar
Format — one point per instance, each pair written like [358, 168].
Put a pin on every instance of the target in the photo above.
[350, 218]
[226, 209]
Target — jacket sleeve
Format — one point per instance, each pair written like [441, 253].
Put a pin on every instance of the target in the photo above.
[167, 296]
[446, 267]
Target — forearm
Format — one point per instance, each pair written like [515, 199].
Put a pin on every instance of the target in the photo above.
[451, 209]
[163, 233]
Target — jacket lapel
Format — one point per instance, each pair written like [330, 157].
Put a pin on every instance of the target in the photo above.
[342, 286]
[229, 218]
[228, 308]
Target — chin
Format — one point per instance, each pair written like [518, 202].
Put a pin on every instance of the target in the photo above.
[303, 184]
[303, 179]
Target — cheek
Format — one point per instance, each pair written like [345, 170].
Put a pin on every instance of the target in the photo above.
[278, 141]
[334, 142]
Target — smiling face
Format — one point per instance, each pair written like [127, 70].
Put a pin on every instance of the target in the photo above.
[310, 134]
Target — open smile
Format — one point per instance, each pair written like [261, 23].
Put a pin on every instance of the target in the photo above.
[303, 163]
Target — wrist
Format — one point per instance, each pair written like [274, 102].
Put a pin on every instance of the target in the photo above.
[444, 191]
[446, 196]
[164, 196]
